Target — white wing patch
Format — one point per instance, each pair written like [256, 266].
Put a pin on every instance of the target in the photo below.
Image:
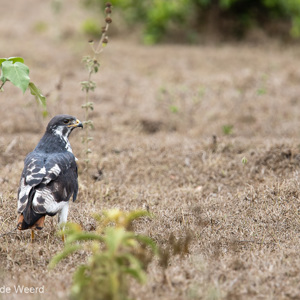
[24, 189]
[54, 170]
[32, 175]
[23, 195]
[55, 207]
[44, 201]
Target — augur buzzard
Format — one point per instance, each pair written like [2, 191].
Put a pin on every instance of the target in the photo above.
[49, 177]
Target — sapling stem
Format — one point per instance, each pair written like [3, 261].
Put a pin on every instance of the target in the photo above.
[92, 66]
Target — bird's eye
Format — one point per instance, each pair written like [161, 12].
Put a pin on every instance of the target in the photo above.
[66, 121]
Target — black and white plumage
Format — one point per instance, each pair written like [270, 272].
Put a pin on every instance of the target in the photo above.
[49, 177]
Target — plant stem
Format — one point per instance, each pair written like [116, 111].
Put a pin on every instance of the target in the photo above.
[99, 48]
[92, 67]
[2, 85]
[87, 132]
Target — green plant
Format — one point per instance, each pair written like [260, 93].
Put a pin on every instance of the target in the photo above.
[15, 71]
[91, 27]
[261, 91]
[244, 160]
[227, 129]
[116, 254]
[92, 65]
[156, 15]
[174, 109]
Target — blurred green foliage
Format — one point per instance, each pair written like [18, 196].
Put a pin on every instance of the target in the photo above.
[91, 27]
[227, 129]
[158, 17]
[116, 255]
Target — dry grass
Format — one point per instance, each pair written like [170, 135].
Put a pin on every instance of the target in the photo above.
[243, 219]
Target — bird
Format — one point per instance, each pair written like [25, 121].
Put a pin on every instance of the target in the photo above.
[49, 177]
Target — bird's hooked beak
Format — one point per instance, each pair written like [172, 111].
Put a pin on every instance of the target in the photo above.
[75, 124]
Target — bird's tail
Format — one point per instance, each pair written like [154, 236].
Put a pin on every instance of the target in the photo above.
[22, 225]
[29, 219]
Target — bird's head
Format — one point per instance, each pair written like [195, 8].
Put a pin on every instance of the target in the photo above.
[63, 125]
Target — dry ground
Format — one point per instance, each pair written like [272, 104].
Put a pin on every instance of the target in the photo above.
[243, 217]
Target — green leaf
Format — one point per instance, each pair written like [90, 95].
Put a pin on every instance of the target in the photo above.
[244, 160]
[66, 252]
[114, 238]
[139, 275]
[136, 215]
[16, 59]
[261, 91]
[35, 91]
[148, 242]
[227, 129]
[2, 60]
[83, 236]
[2, 78]
[135, 267]
[17, 73]
[80, 280]
[174, 109]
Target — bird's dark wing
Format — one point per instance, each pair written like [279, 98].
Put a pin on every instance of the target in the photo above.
[33, 173]
[47, 180]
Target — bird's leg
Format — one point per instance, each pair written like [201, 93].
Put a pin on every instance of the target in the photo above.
[32, 236]
[62, 219]
[62, 228]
